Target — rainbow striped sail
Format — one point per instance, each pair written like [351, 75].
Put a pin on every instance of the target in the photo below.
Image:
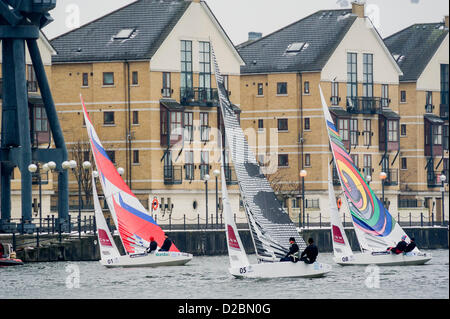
[134, 223]
[374, 225]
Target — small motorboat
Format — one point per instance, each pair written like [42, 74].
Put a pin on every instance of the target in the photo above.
[8, 256]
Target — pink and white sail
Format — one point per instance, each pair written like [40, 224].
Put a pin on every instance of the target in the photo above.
[135, 225]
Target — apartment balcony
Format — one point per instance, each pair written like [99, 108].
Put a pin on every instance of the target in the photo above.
[32, 86]
[189, 172]
[366, 105]
[199, 97]
[230, 175]
[392, 178]
[434, 178]
[443, 111]
[173, 174]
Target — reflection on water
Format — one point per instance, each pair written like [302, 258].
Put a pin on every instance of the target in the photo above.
[208, 277]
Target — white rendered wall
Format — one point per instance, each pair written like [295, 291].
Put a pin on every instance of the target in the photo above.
[361, 38]
[196, 25]
[430, 79]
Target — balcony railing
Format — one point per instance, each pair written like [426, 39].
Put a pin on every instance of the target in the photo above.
[434, 178]
[199, 96]
[409, 203]
[392, 177]
[204, 169]
[173, 174]
[32, 86]
[230, 175]
[189, 171]
[366, 105]
[443, 111]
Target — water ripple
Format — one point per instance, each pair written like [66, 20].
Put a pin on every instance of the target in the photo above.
[208, 277]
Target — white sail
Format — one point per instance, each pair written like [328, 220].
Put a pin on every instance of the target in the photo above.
[107, 246]
[134, 224]
[269, 222]
[375, 227]
[236, 251]
[341, 245]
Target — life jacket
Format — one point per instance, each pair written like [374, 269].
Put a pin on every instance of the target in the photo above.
[296, 254]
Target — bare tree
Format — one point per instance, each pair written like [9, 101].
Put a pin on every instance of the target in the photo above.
[81, 152]
[282, 185]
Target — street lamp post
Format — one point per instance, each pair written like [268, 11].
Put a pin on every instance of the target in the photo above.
[303, 174]
[206, 178]
[216, 174]
[73, 165]
[35, 169]
[383, 177]
[443, 179]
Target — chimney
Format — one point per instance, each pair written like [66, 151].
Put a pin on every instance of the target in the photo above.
[446, 21]
[358, 8]
[253, 36]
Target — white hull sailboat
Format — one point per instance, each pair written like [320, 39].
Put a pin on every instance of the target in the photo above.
[269, 223]
[133, 222]
[110, 255]
[148, 260]
[281, 270]
[375, 228]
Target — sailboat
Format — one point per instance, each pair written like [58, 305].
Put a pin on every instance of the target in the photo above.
[135, 225]
[269, 223]
[375, 228]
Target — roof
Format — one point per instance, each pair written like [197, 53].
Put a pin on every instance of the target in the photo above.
[389, 114]
[150, 20]
[323, 31]
[339, 112]
[172, 105]
[414, 47]
[433, 119]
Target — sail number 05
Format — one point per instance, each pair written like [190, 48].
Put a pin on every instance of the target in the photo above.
[243, 270]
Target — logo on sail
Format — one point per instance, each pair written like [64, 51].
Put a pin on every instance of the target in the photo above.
[337, 235]
[104, 240]
[232, 241]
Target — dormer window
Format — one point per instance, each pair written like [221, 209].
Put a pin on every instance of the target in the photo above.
[296, 47]
[124, 34]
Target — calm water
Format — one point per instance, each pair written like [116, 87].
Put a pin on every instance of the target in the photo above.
[207, 277]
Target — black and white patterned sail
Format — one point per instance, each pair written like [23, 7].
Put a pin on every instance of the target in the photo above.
[269, 223]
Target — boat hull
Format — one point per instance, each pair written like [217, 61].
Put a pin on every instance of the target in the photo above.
[281, 270]
[148, 260]
[6, 262]
[384, 259]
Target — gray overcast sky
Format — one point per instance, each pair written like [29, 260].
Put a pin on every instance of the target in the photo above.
[238, 17]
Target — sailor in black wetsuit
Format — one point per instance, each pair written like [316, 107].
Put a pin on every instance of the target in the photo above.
[309, 255]
[153, 246]
[410, 246]
[401, 246]
[292, 255]
[166, 245]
